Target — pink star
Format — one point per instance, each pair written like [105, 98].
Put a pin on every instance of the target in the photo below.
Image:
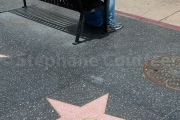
[94, 110]
[3, 56]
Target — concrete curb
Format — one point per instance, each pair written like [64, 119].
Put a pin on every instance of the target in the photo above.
[149, 20]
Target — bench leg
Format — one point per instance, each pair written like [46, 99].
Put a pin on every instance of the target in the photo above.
[79, 29]
[105, 16]
[25, 6]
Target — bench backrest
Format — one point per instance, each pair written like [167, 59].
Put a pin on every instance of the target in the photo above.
[70, 4]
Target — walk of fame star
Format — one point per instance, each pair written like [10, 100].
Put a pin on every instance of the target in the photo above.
[94, 110]
[3, 56]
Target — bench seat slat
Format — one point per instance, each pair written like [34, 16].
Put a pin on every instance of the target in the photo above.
[70, 4]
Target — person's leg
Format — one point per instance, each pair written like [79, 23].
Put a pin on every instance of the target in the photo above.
[111, 16]
[111, 11]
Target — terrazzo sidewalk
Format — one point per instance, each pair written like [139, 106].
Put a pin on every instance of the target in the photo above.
[41, 71]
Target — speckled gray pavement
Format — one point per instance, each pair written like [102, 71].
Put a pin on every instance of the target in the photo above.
[43, 63]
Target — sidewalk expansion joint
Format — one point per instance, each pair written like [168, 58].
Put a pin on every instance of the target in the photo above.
[169, 15]
[170, 113]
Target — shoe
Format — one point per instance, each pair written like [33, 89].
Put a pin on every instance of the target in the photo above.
[114, 27]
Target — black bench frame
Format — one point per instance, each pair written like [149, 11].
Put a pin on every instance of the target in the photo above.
[77, 6]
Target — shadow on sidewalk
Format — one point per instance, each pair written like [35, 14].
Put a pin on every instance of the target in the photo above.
[60, 22]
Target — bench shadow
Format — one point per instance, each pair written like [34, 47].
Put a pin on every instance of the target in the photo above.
[60, 22]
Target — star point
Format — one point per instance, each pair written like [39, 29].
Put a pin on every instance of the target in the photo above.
[94, 110]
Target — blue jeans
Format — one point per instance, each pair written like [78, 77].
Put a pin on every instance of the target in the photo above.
[111, 11]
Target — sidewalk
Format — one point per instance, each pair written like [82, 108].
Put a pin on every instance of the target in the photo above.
[44, 77]
[167, 11]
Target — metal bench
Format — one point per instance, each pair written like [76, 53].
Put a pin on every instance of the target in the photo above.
[77, 6]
